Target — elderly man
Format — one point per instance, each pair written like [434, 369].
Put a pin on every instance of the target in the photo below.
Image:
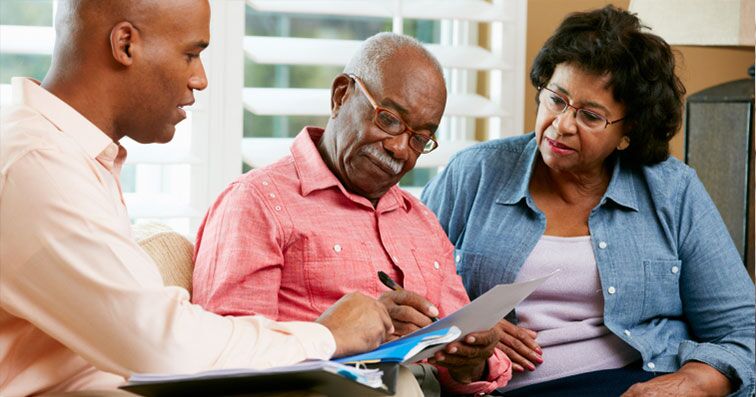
[287, 240]
[81, 305]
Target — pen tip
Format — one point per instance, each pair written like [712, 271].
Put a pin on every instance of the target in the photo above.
[383, 276]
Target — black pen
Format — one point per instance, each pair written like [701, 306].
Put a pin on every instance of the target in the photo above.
[387, 281]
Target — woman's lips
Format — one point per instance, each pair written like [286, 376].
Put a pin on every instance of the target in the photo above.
[559, 148]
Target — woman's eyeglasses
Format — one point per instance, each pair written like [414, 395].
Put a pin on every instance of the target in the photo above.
[558, 104]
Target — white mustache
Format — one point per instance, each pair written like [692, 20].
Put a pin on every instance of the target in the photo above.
[393, 164]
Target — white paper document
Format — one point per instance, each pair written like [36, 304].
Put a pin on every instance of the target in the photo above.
[482, 313]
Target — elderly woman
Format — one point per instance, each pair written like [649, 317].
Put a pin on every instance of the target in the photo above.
[652, 297]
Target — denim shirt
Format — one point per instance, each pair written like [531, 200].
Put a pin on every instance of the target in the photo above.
[674, 286]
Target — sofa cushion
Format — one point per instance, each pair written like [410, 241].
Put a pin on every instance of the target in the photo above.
[171, 251]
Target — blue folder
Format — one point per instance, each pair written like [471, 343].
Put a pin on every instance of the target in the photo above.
[404, 349]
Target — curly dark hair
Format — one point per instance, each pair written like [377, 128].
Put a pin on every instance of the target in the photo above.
[641, 68]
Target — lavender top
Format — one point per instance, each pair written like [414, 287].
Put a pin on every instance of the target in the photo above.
[567, 311]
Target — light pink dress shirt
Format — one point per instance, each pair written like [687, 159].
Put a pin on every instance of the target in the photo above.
[288, 240]
[81, 305]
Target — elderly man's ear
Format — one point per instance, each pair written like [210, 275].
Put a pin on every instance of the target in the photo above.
[124, 42]
[341, 89]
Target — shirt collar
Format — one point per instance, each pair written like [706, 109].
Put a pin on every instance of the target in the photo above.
[112, 157]
[621, 189]
[517, 187]
[28, 92]
[314, 174]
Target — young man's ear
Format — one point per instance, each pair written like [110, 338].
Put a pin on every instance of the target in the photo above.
[341, 89]
[124, 42]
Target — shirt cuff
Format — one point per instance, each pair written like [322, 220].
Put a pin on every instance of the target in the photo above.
[319, 343]
[722, 358]
[498, 375]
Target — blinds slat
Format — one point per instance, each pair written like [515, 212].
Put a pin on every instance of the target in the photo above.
[471, 10]
[27, 39]
[141, 205]
[315, 102]
[158, 154]
[301, 51]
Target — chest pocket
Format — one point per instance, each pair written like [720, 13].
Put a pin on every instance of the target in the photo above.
[661, 289]
[431, 267]
[334, 268]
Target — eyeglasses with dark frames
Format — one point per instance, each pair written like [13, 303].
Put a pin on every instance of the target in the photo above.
[393, 125]
[558, 104]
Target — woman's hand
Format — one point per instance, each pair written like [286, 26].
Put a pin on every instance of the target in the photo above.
[693, 379]
[520, 346]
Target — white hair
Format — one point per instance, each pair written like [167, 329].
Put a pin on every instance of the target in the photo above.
[367, 63]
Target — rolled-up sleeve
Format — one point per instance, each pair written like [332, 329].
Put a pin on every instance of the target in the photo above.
[238, 257]
[499, 372]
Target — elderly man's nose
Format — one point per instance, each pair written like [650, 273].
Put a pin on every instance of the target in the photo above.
[398, 146]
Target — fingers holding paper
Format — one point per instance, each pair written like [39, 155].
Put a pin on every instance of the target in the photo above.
[358, 323]
[520, 346]
[466, 358]
[408, 311]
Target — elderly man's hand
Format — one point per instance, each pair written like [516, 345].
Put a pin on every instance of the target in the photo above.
[466, 358]
[693, 379]
[408, 310]
[358, 323]
[520, 346]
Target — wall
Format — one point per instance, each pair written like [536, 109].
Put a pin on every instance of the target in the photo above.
[698, 67]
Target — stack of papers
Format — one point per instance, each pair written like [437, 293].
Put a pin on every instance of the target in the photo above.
[479, 315]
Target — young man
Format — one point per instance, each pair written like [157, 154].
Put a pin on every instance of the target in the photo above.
[81, 305]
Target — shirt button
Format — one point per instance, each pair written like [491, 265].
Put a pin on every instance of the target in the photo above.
[272, 195]
[675, 269]
[602, 244]
[651, 365]
[457, 258]
[337, 248]
[436, 265]
[611, 290]
[627, 332]
[278, 208]
[265, 183]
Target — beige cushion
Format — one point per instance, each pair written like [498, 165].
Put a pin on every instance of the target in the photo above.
[171, 251]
